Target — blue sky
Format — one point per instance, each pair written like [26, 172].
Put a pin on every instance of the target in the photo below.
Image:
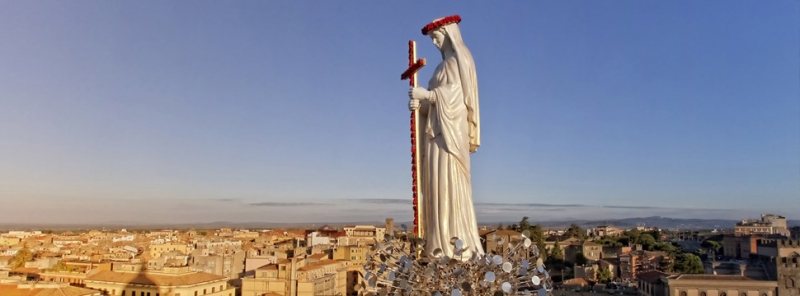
[190, 111]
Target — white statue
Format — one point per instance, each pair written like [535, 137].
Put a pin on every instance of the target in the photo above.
[450, 132]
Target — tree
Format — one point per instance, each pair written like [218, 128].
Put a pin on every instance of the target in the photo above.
[22, 256]
[61, 266]
[542, 250]
[655, 233]
[647, 241]
[609, 241]
[556, 253]
[500, 226]
[580, 259]
[604, 275]
[576, 231]
[689, 263]
[632, 235]
[666, 247]
[666, 264]
[710, 244]
[524, 224]
[537, 233]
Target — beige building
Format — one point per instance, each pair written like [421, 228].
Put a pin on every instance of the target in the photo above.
[491, 243]
[768, 224]
[587, 272]
[361, 234]
[740, 246]
[612, 264]
[297, 278]
[157, 250]
[9, 241]
[169, 282]
[605, 230]
[563, 242]
[591, 250]
[655, 283]
[354, 254]
[328, 277]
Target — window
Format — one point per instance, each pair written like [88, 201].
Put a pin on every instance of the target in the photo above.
[204, 292]
[789, 282]
[113, 291]
[133, 293]
[683, 293]
[213, 289]
[703, 293]
[723, 294]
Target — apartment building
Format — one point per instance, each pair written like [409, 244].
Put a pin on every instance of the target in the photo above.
[768, 224]
[295, 277]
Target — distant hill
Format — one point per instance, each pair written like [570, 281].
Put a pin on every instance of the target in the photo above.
[655, 221]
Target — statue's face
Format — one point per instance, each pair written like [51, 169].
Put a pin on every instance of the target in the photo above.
[438, 38]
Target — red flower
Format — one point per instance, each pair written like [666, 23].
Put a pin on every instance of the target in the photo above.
[443, 22]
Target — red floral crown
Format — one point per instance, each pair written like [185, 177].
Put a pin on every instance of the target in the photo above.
[441, 23]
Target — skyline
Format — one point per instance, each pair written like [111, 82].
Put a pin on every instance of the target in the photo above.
[253, 110]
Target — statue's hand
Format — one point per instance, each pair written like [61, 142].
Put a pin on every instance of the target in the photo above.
[413, 105]
[418, 93]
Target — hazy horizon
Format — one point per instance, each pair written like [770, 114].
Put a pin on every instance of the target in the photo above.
[293, 111]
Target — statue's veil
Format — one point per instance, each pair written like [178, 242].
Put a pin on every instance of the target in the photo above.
[469, 84]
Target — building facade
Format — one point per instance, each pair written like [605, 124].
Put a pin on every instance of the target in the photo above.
[171, 282]
[768, 224]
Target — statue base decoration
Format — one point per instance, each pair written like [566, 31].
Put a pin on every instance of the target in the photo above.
[392, 268]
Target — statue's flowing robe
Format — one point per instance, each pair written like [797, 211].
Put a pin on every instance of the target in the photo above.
[447, 209]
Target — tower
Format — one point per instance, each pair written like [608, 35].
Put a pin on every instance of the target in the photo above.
[390, 226]
[788, 267]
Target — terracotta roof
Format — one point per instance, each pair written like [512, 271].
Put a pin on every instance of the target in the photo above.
[317, 265]
[12, 290]
[652, 277]
[503, 232]
[713, 277]
[25, 270]
[578, 281]
[161, 280]
[284, 261]
[318, 256]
